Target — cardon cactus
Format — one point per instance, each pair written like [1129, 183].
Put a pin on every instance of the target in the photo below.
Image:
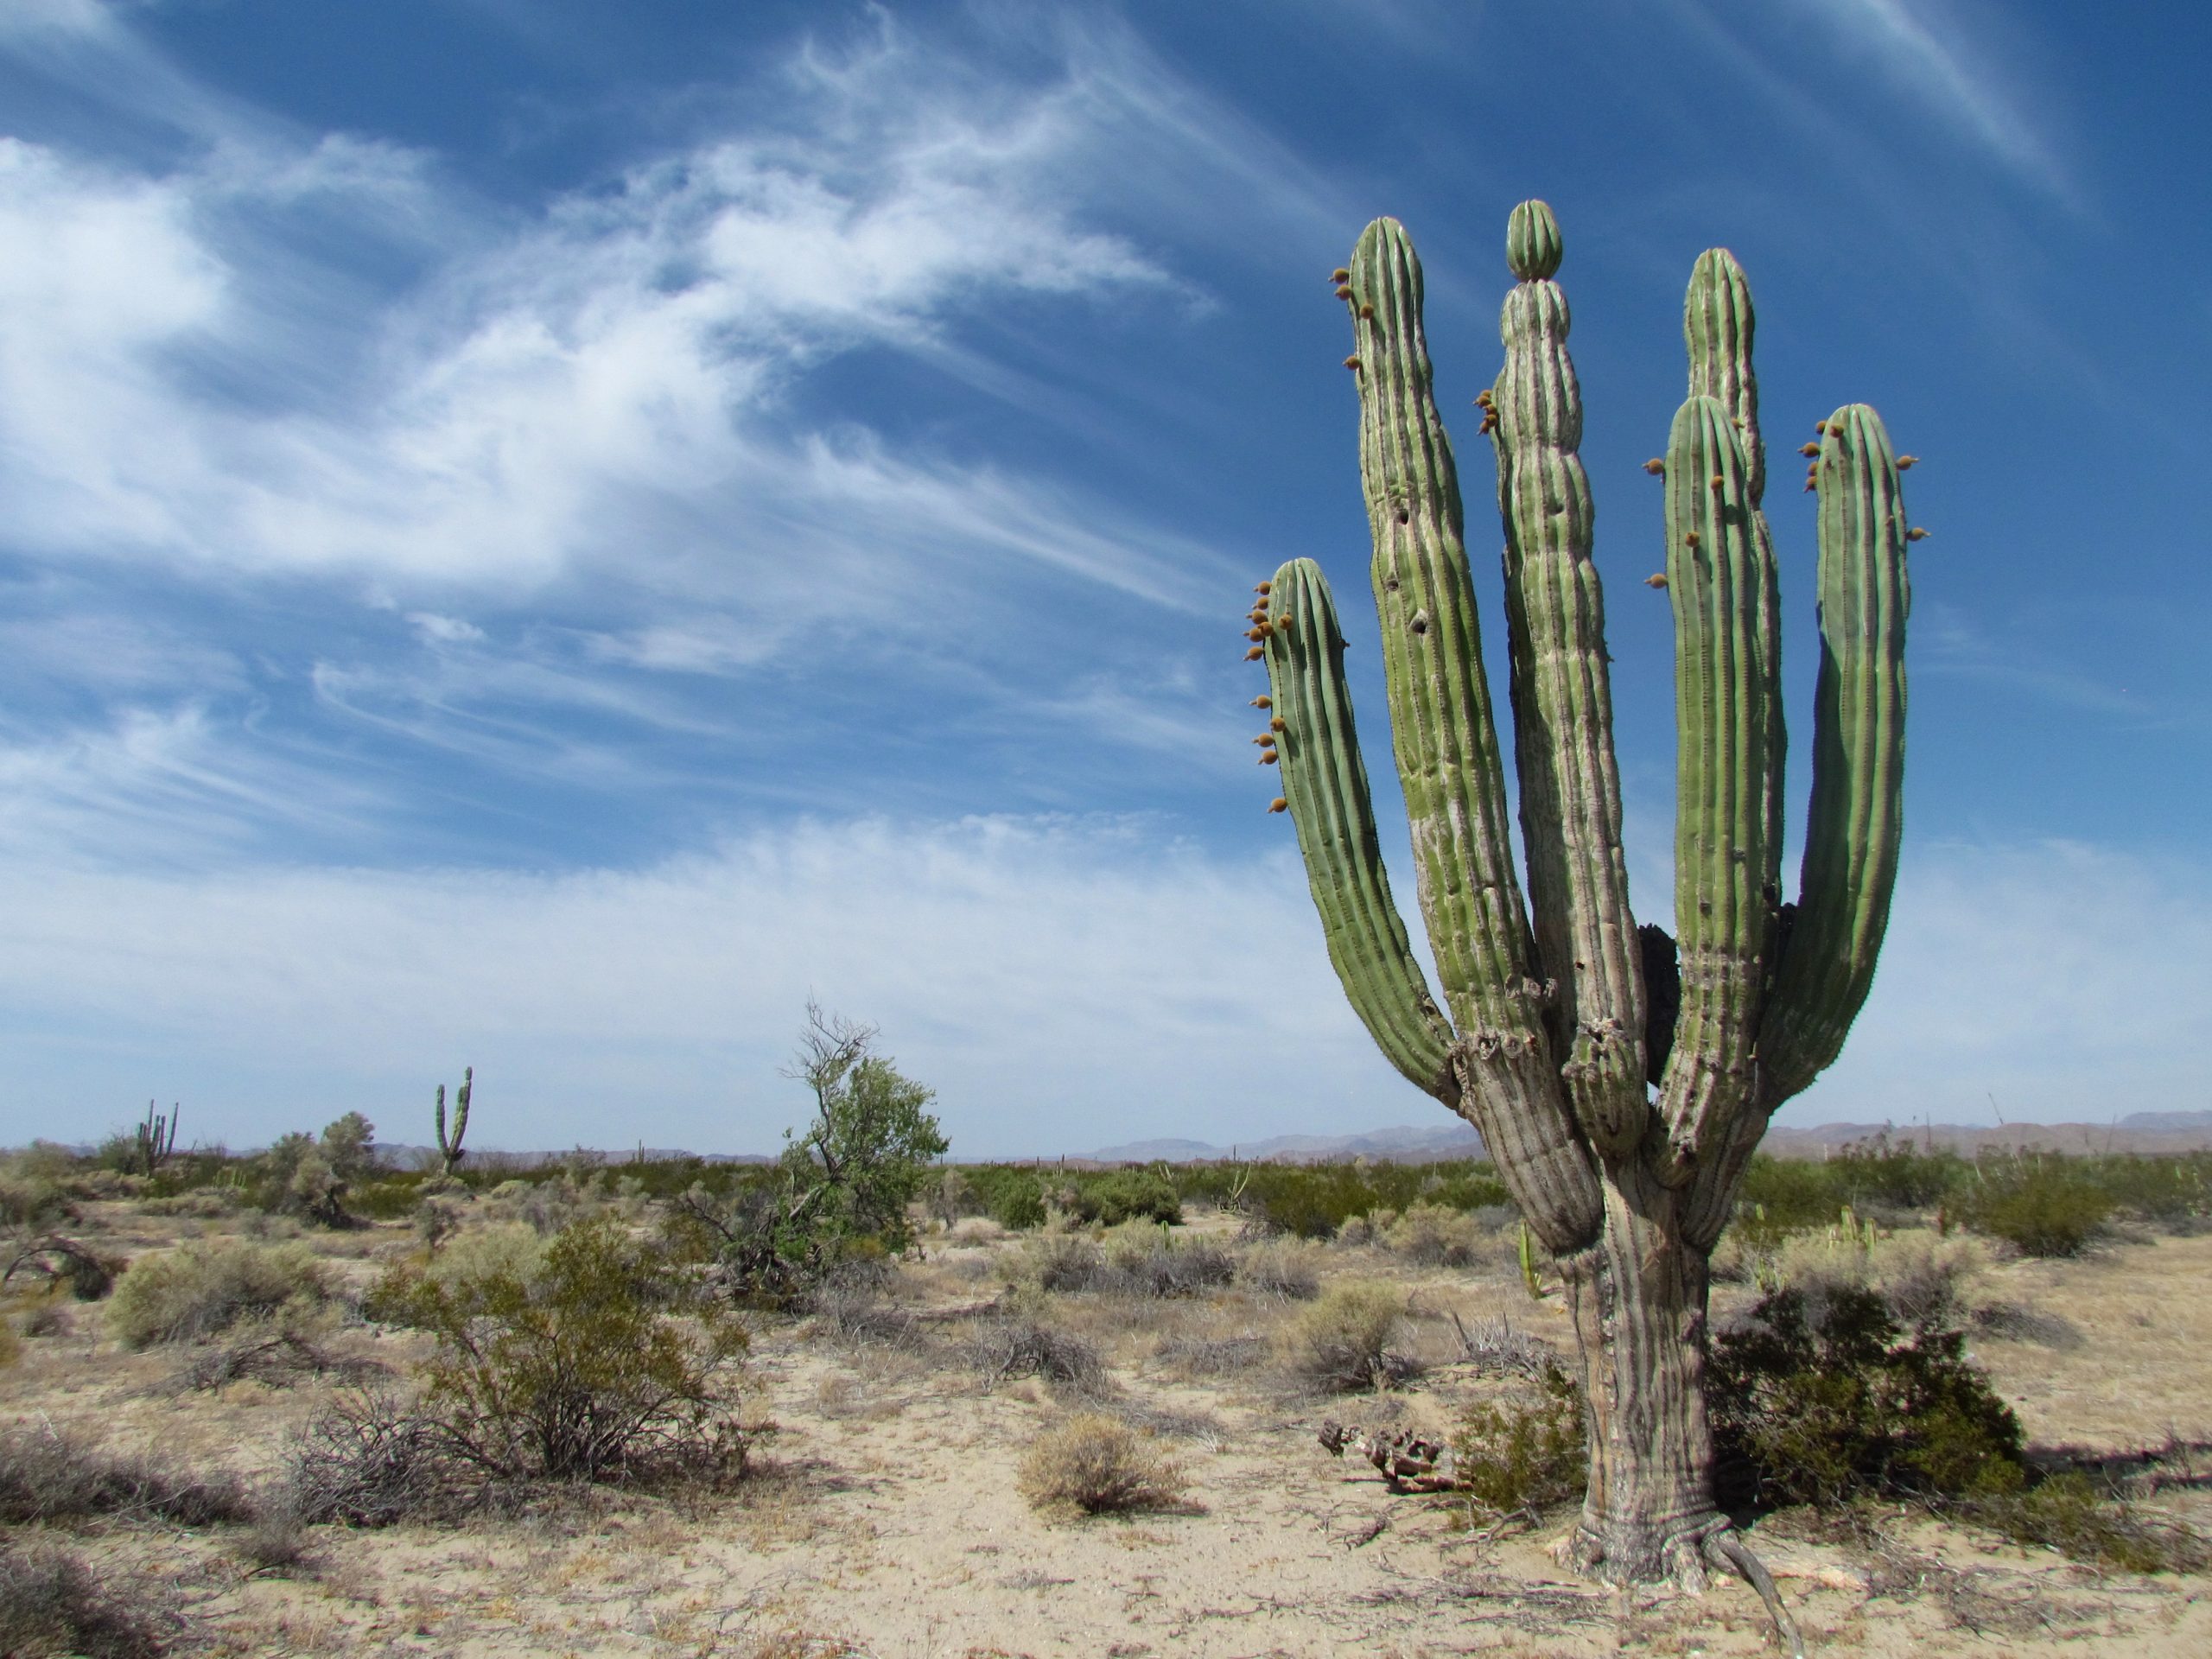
[1619, 1078]
[450, 1149]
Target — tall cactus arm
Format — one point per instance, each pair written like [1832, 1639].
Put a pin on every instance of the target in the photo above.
[1718, 325]
[1325, 781]
[1727, 860]
[1855, 821]
[1562, 703]
[1445, 740]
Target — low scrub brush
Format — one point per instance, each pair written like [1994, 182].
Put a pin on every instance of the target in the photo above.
[1098, 1465]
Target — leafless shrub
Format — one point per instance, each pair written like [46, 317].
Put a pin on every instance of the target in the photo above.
[2011, 1322]
[1494, 1345]
[850, 1305]
[62, 1263]
[276, 1353]
[51, 1606]
[1287, 1267]
[370, 1459]
[1212, 1355]
[1099, 1465]
[1010, 1347]
[1062, 1263]
[46, 1476]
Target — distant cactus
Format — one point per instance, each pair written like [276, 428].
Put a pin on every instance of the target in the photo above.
[450, 1149]
[1558, 1014]
[156, 1139]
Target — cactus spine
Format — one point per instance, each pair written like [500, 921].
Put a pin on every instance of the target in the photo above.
[450, 1150]
[1556, 1018]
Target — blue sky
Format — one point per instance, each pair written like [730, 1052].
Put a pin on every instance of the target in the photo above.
[538, 542]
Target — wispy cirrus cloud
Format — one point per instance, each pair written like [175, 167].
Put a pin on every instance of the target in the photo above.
[1953, 80]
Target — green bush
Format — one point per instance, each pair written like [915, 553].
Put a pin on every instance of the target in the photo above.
[1819, 1399]
[603, 1362]
[201, 1288]
[2041, 1205]
[1435, 1235]
[1124, 1195]
[1523, 1453]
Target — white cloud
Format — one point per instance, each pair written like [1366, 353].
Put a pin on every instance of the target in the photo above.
[2055, 977]
[1948, 79]
[1063, 984]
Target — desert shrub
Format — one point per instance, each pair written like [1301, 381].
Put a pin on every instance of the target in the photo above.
[1062, 1263]
[1013, 1345]
[1212, 1355]
[1315, 1200]
[62, 1264]
[51, 1606]
[851, 1305]
[1142, 1260]
[2169, 1192]
[2070, 1512]
[46, 1476]
[201, 1288]
[27, 1203]
[390, 1198]
[369, 1458]
[1524, 1452]
[581, 1370]
[1342, 1341]
[1288, 1267]
[1883, 1173]
[1819, 1399]
[1124, 1195]
[1099, 1465]
[1435, 1236]
[2040, 1205]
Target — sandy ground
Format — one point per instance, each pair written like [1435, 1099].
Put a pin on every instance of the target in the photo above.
[883, 1516]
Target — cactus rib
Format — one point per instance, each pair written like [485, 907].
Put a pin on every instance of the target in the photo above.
[1563, 709]
[1324, 780]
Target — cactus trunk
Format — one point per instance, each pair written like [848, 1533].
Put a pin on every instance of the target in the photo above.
[1555, 1017]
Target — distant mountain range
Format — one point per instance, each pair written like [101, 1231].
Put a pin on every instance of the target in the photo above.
[2135, 1132]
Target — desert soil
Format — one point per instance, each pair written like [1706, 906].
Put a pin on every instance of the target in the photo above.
[883, 1518]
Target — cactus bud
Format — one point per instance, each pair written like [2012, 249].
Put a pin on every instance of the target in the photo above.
[1344, 291]
[1811, 449]
[1352, 362]
[1367, 314]
[1263, 586]
[1906, 462]
[1656, 579]
[1689, 538]
[1340, 274]
[1915, 534]
[1717, 482]
[1255, 634]
[1263, 703]
[1270, 758]
[1278, 804]
[1654, 467]
[1254, 655]
[1276, 724]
